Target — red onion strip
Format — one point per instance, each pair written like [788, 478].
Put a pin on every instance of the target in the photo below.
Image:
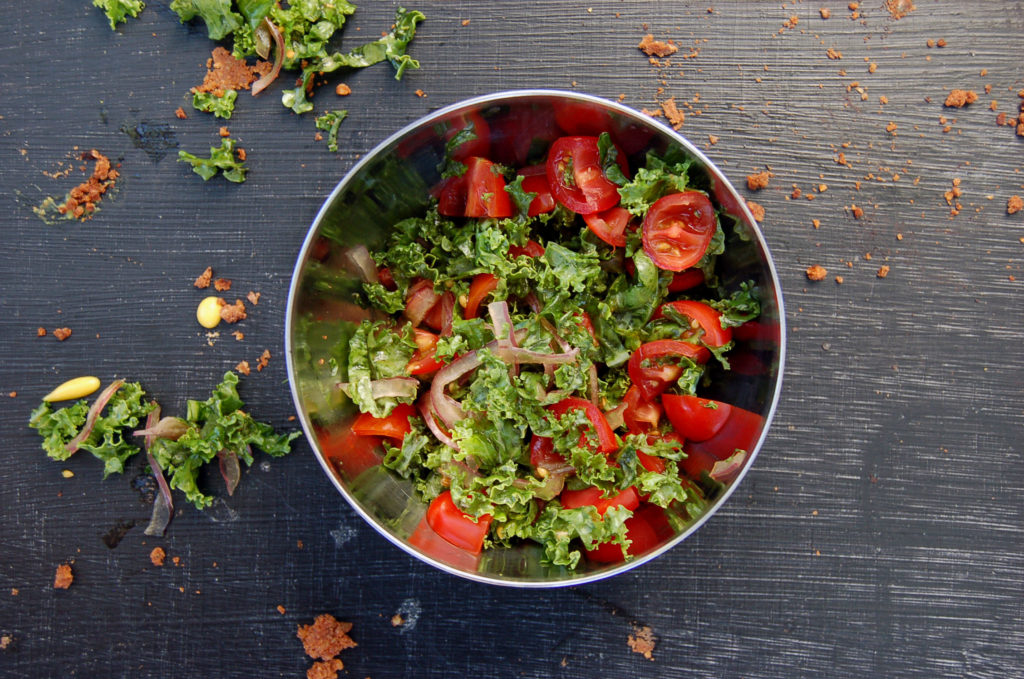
[593, 388]
[448, 409]
[433, 426]
[391, 387]
[230, 470]
[359, 257]
[723, 469]
[447, 314]
[270, 77]
[163, 505]
[94, 412]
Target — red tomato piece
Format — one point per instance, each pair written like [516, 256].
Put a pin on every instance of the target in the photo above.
[455, 526]
[685, 280]
[641, 536]
[587, 323]
[605, 436]
[649, 371]
[394, 426]
[695, 419]
[420, 300]
[582, 118]
[535, 180]
[740, 432]
[708, 318]
[386, 278]
[678, 229]
[651, 463]
[543, 455]
[594, 497]
[423, 361]
[640, 413]
[485, 190]
[353, 454]
[655, 516]
[531, 249]
[451, 196]
[610, 225]
[483, 284]
[576, 177]
[476, 144]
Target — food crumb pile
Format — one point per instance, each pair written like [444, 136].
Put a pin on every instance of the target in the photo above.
[642, 641]
[323, 641]
[63, 578]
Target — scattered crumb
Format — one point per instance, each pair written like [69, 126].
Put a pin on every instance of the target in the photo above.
[157, 556]
[326, 637]
[758, 181]
[756, 209]
[825, 12]
[180, 114]
[642, 642]
[222, 284]
[941, 42]
[342, 90]
[264, 359]
[12, 394]
[833, 53]
[857, 211]
[420, 93]
[656, 48]
[203, 281]
[960, 98]
[672, 113]
[238, 335]
[712, 139]
[883, 271]
[5, 641]
[82, 200]
[839, 280]
[62, 333]
[40, 331]
[241, 154]
[325, 669]
[253, 297]
[816, 272]
[232, 313]
[243, 368]
[225, 132]
[14, 591]
[816, 223]
[899, 8]
[225, 72]
[176, 560]
[465, 22]
[397, 620]
[63, 578]
[1014, 204]
[281, 609]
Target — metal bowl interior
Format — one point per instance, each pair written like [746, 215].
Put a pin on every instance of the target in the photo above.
[392, 183]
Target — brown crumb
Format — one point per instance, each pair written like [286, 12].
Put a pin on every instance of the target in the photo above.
[180, 114]
[672, 113]
[816, 223]
[243, 368]
[222, 284]
[203, 281]
[833, 53]
[225, 132]
[225, 72]
[899, 8]
[326, 637]
[263, 360]
[642, 642]
[758, 181]
[941, 42]
[756, 209]
[253, 297]
[63, 578]
[82, 200]
[40, 331]
[62, 333]
[157, 556]
[325, 669]
[825, 12]
[238, 335]
[232, 313]
[241, 154]
[342, 90]
[1014, 204]
[397, 620]
[960, 98]
[891, 127]
[281, 609]
[839, 280]
[857, 211]
[883, 271]
[712, 139]
[12, 394]
[420, 93]
[656, 48]
[816, 272]
[465, 22]
[176, 560]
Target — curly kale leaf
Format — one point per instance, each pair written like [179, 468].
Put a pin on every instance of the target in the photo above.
[218, 16]
[117, 11]
[222, 159]
[376, 352]
[330, 122]
[391, 47]
[222, 106]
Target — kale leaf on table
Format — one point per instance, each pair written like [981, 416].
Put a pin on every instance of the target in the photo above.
[118, 11]
[223, 159]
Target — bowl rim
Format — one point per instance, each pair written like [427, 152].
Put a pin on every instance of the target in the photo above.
[477, 102]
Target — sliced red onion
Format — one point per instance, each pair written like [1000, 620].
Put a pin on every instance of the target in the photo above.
[447, 314]
[271, 76]
[420, 299]
[362, 263]
[546, 324]
[529, 356]
[230, 470]
[448, 409]
[433, 426]
[501, 321]
[163, 505]
[593, 388]
[532, 302]
[94, 412]
[171, 428]
[391, 387]
[723, 469]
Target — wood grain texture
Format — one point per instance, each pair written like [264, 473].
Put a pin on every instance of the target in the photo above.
[880, 530]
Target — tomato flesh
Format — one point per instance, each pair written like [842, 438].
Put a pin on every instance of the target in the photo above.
[694, 418]
[543, 455]
[610, 225]
[678, 229]
[650, 374]
[394, 426]
[455, 526]
[485, 190]
[594, 497]
[535, 180]
[483, 284]
[641, 536]
[708, 318]
[531, 249]
[605, 436]
[640, 414]
[576, 178]
[423, 361]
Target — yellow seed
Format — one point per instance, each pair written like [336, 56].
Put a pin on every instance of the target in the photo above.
[72, 389]
[67, 473]
[208, 313]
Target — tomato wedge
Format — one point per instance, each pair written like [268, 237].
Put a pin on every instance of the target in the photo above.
[485, 190]
[642, 538]
[543, 455]
[455, 526]
[708, 318]
[610, 225]
[483, 284]
[576, 177]
[351, 453]
[394, 426]
[475, 143]
[535, 180]
[651, 374]
[423, 361]
[678, 229]
[531, 249]
[594, 497]
[640, 414]
[693, 418]
[686, 280]
[420, 300]
[605, 436]
[739, 432]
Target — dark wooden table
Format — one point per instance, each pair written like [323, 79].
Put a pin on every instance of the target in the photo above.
[880, 530]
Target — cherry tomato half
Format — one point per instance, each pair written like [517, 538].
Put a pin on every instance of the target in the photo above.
[610, 225]
[394, 426]
[693, 418]
[543, 455]
[649, 370]
[531, 249]
[455, 526]
[678, 229]
[535, 180]
[576, 177]
[423, 361]
[594, 497]
[708, 318]
[605, 436]
[640, 414]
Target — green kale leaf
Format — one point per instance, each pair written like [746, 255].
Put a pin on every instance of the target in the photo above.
[741, 306]
[220, 106]
[608, 155]
[330, 122]
[658, 178]
[222, 159]
[118, 10]
[377, 351]
[391, 47]
[220, 20]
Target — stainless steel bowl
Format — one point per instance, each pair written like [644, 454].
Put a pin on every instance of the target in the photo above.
[391, 183]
